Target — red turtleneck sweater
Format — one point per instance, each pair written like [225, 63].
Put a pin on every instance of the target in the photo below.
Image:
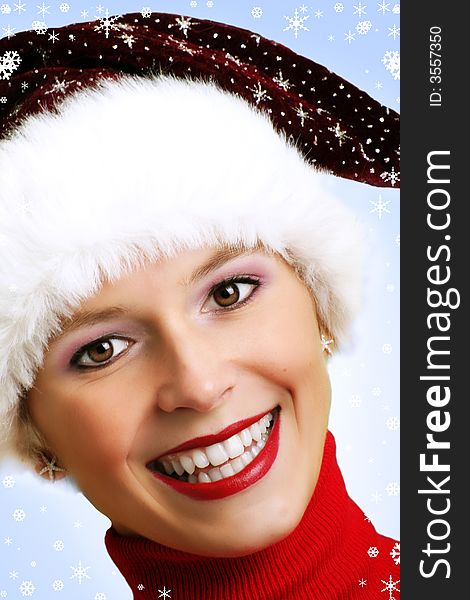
[334, 553]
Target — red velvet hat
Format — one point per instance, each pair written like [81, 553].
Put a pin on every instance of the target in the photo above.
[337, 127]
[132, 138]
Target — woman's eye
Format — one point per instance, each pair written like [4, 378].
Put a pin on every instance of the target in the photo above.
[100, 353]
[231, 293]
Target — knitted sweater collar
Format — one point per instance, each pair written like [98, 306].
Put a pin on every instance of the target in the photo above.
[334, 552]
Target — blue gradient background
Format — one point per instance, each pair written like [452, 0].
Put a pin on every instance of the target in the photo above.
[58, 529]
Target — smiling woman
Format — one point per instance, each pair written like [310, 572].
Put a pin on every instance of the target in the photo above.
[168, 342]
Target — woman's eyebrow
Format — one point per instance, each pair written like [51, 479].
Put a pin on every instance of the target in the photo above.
[88, 318]
[219, 258]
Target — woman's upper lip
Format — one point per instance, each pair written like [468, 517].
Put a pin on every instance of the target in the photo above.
[208, 440]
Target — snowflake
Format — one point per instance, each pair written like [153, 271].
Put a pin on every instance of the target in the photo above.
[33, 563]
[349, 37]
[84, 14]
[281, 82]
[3, 593]
[20, 7]
[296, 23]
[209, 3]
[78, 524]
[53, 37]
[99, 9]
[396, 9]
[107, 23]
[128, 39]
[390, 586]
[141, 587]
[303, 8]
[331, 38]
[387, 348]
[395, 553]
[363, 27]
[39, 27]
[184, 24]
[80, 572]
[362, 582]
[5, 9]
[58, 585]
[8, 541]
[19, 514]
[383, 7]
[355, 401]
[257, 12]
[393, 423]
[376, 391]
[302, 114]
[193, 4]
[373, 552]
[164, 593]
[391, 61]
[359, 10]
[9, 31]
[339, 7]
[376, 497]
[339, 133]
[27, 588]
[9, 62]
[64, 7]
[393, 488]
[259, 94]
[100, 596]
[394, 31]
[318, 14]
[8, 481]
[58, 545]
[43, 10]
[391, 176]
[146, 12]
[378, 85]
[380, 206]
[397, 240]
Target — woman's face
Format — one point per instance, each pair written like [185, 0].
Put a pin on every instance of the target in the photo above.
[174, 367]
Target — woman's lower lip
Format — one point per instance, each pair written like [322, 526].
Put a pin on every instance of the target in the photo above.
[252, 473]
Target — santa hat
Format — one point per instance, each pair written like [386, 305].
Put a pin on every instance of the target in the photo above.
[131, 138]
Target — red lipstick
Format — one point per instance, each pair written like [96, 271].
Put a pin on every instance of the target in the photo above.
[252, 473]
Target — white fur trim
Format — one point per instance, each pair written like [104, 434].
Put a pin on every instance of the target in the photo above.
[146, 167]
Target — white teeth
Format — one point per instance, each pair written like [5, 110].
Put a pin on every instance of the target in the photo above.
[255, 432]
[245, 437]
[246, 458]
[216, 454]
[177, 467]
[237, 465]
[215, 474]
[227, 470]
[167, 466]
[187, 464]
[242, 448]
[234, 446]
[200, 459]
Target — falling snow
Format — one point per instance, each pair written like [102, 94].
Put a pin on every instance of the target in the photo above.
[380, 206]
[146, 12]
[359, 10]
[57, 585]
[8, 481]
[363, 27]
[80, 572]
[257, 12]
[393, 488]
[27, 588]
[393, 423]
[390, 586]
[296, 23]
[383, 7]
[107, 23]
[339, 7]
[391, 61]
[395, 553]
[9, 62]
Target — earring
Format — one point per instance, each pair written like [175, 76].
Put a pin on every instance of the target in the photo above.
[50, 467]
[325, 343]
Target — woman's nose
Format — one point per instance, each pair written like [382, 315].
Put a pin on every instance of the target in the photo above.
[199, 374]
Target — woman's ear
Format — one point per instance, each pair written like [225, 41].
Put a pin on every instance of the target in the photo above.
[46, 466]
